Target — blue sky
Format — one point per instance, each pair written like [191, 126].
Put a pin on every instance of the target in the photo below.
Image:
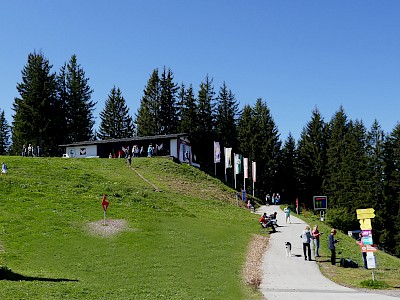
[296, 55]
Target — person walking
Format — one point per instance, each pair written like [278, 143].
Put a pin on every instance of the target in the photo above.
[316, 234]
[287, 214]
[306, 238]
[332, 245]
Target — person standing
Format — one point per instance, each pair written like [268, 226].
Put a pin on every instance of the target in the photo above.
[287, 213]
[332, 245]
[23, 151]
[306, 239]
[316, 234]
[30, 150]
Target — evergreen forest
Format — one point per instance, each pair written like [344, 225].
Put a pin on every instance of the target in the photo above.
[354, 166]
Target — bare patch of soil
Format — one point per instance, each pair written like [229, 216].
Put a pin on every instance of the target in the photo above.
[111, 228]
[253, 273]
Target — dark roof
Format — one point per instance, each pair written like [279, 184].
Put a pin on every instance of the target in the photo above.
[132, 139]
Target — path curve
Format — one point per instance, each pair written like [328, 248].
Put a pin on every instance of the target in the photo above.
[293, 277]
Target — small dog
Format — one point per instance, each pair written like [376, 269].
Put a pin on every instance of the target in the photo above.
[288, 246]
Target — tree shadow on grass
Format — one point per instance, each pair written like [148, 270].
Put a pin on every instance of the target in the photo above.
[8, 274]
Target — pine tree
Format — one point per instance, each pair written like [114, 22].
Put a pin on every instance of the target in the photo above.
[266, 146]
[147, 118]
[288, 177]
[4, 134]
[245, 130]
[376, 138]
[312, 159]
[115, 119]
[38, 113]
[226, 118]
[333, 184]
[75, 94]
[391, 237]
[259, 140]
[188, 110]
[204, 133]
[168, 113]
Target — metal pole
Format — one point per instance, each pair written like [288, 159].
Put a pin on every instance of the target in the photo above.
[373, 275]
[253, 188]
[104, 223]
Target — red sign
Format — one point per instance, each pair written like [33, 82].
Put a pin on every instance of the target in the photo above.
[105, 203]
[368, 248]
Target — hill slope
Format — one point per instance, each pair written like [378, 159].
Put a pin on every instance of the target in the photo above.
[186, 242]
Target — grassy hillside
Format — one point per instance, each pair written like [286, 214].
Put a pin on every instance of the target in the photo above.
[186, 241]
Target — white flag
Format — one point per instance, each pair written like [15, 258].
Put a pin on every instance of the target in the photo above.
[217, 153]
[238, 163]
[228, 160]
[246, 167]
[253, 171]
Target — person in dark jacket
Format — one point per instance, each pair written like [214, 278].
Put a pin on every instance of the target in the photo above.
[332, 245]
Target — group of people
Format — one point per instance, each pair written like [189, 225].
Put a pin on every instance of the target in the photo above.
[137, 151]
[274, 200]
[30, 151]
[307, 236]
[269, 221]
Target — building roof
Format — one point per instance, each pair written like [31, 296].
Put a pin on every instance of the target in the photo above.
[132, 139]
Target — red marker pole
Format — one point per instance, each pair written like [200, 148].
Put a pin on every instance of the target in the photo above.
[105, 204]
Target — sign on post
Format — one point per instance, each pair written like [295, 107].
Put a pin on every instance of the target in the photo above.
[366, 213]
[364, 216]
[320, 202]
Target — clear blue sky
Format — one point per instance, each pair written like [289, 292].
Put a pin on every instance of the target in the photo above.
[296, 55]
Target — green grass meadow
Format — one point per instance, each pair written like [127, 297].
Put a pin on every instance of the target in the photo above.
[187, 241]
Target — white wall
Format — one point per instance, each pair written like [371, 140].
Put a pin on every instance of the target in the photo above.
[173, 147]
[81, 151]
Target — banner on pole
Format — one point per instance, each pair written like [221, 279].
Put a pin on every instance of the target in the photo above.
[228, 159]
[253, 171]
[217, 153]
[238, 163]
[246, 167]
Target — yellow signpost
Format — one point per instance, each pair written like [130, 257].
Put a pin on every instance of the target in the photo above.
[365, 215]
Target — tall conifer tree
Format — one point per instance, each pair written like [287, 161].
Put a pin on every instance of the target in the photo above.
[226, 118]
[188, 110]
[204, 133]
[391, 237]
[38, 113]
[311, 162]
[4, 134]
[75, 94]
[147, 118]
[115, 119]
[168, 111]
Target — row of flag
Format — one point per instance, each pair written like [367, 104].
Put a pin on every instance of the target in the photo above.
[237, 161]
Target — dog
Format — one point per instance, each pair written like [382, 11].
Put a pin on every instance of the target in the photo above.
[288, 247]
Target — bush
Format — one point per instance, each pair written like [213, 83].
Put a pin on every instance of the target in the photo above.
[342, 219]
[374, 284]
